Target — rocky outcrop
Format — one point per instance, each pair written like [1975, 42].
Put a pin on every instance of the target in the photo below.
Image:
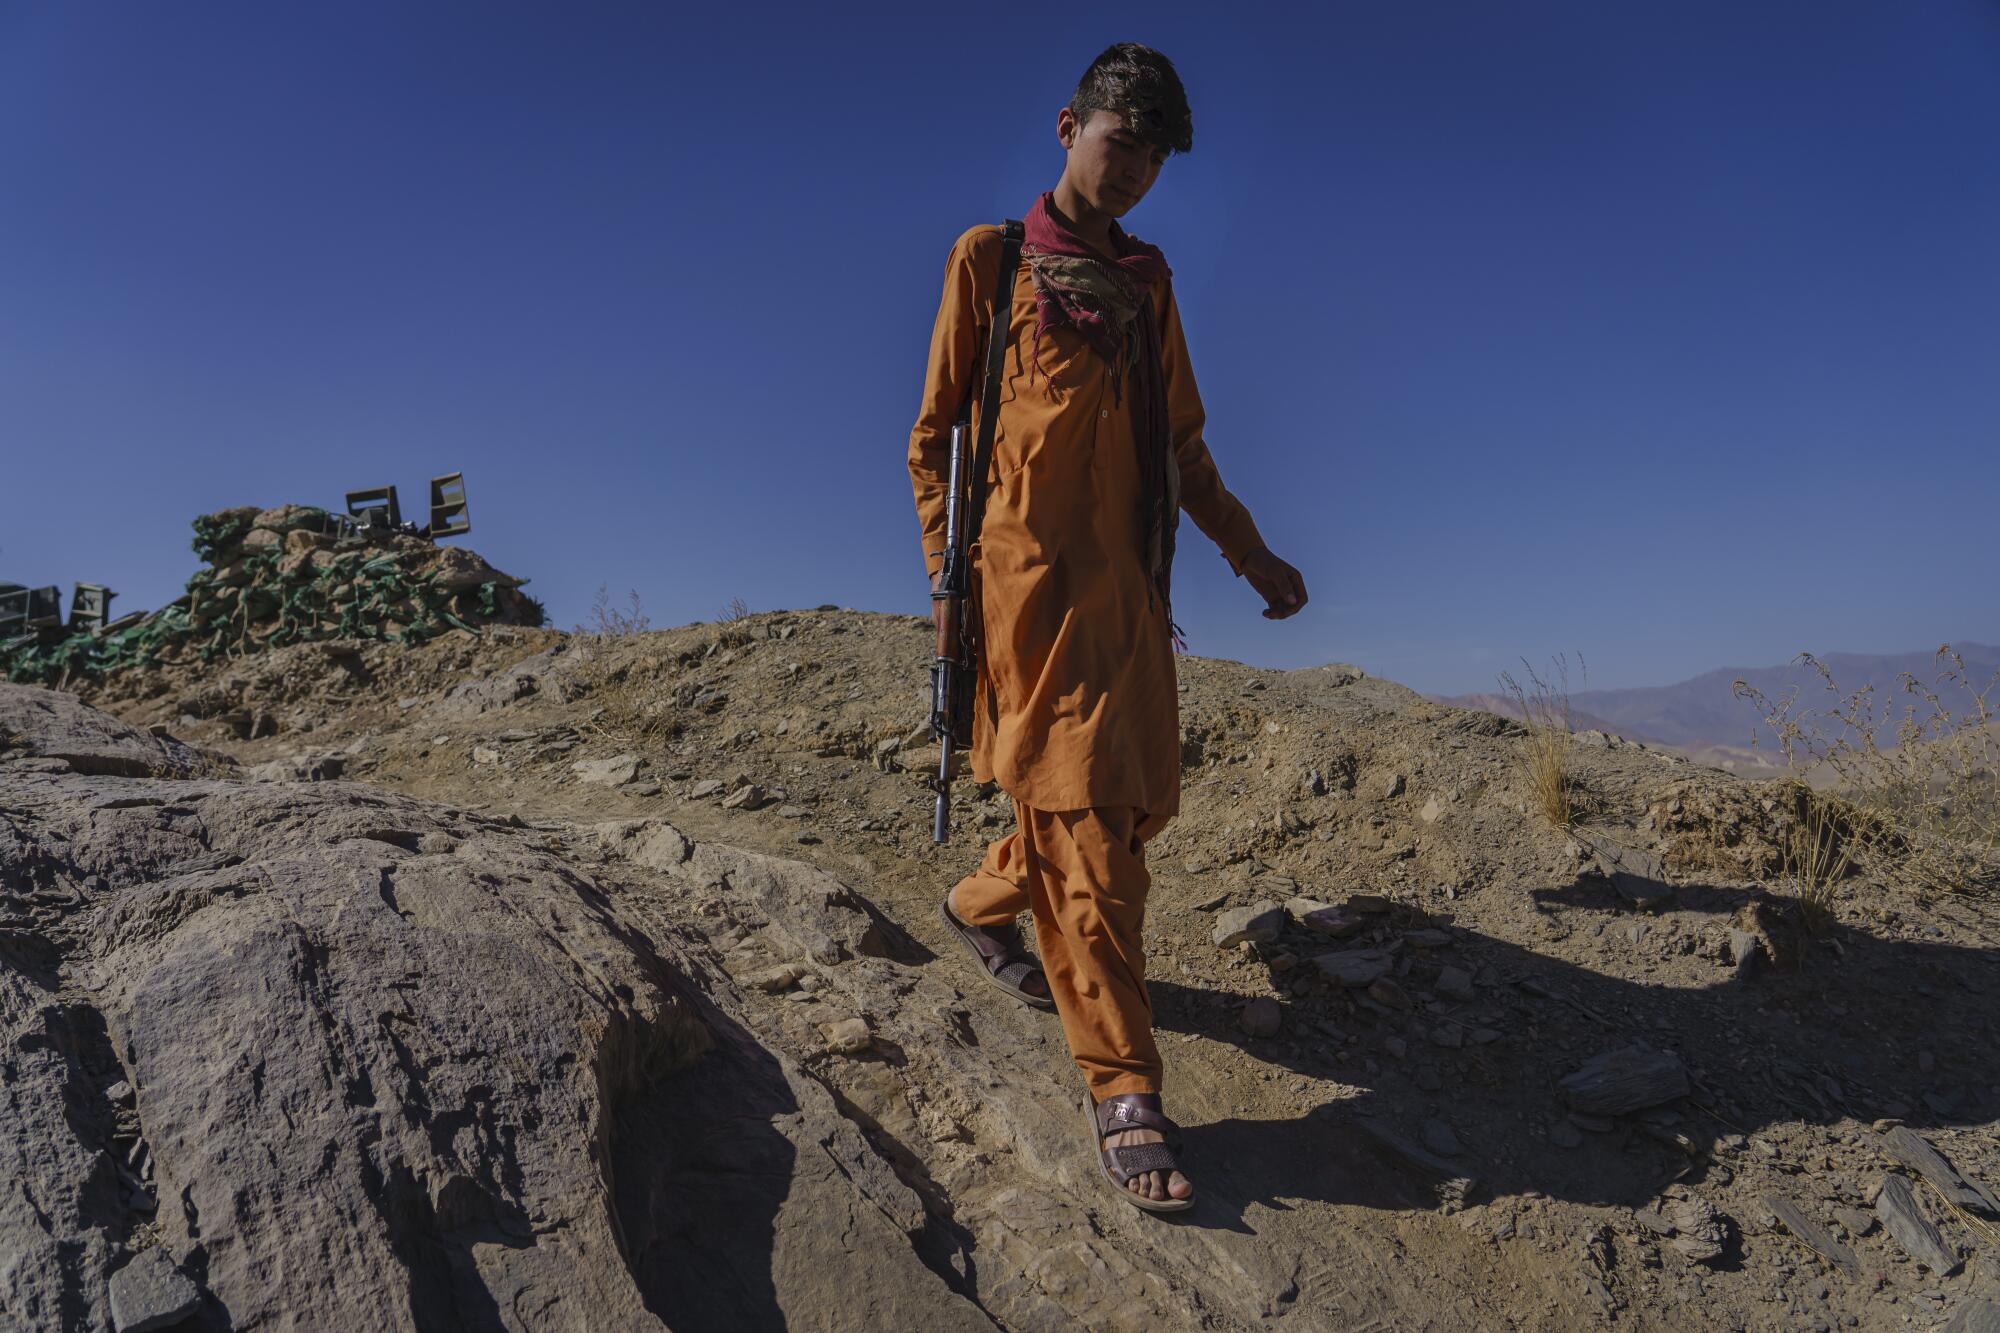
[392, 1059]
[58, 733]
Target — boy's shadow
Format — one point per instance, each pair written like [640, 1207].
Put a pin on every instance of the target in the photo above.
[1837, 1036]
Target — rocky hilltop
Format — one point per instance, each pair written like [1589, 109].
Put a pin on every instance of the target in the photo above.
[516, 979]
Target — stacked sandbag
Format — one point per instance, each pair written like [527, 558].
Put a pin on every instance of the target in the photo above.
[288, 575]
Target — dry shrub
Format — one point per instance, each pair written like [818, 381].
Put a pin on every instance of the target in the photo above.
[610, 622]
[631, 689]
[1918, 772]
[634, 693]
[1817, 846]
[1544, 705]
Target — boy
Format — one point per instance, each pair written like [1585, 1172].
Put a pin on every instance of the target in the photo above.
[1098, 447]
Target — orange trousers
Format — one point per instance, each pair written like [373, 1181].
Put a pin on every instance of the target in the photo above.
[1083, 875]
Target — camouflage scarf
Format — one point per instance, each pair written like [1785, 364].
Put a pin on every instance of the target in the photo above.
[1110, 303]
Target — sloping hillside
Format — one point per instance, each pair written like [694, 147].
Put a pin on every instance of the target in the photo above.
[1522, 1078]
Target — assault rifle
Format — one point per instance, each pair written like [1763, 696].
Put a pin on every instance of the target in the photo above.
[957, 666]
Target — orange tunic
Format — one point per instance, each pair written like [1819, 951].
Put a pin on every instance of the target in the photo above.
[1076, 704]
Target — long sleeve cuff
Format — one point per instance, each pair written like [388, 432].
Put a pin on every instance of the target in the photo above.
[1237, 538]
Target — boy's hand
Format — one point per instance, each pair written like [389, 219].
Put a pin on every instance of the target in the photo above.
[1283, 591]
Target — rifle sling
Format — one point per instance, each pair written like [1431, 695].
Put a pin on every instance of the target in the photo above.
[998, 329]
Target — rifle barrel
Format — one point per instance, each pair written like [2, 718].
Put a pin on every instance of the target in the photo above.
[941, 812]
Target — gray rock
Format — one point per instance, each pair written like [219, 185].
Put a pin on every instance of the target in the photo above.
[747, 797]
[1354, 968]
[816, 915]
[1699, 1231]
[775, 980]
[640, 789]
[1261, 1017]
[1638, 876]
[1627, 1079]
[303, 768]
[658, 846]
[1439, 1138]
[1978, 1314]
[848, 1036]
[1801, 1224]
[45, 724]
[612, 772]
[1896, 1206]
[1335, 923]
[150, 1293]
[704, 789]
[1455, 983]
[1259, 923]
[1744, 947]
[1386, 991]
[471, 698]
[1915, 1152]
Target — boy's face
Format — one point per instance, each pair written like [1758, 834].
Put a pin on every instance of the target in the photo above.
[1109, 165]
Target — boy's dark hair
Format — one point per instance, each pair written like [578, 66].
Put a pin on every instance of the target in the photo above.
[1140, 84]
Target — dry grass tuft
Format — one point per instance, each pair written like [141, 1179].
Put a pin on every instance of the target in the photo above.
[1544, 705]
[1918, 774]
[1817, 846]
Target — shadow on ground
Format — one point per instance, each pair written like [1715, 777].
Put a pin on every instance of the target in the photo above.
[1835, 1037]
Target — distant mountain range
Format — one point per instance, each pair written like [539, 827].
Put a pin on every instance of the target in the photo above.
[1703, 718]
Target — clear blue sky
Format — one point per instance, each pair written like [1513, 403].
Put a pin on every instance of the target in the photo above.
[1664, 333]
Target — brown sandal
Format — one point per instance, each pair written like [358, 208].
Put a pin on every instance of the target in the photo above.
[1115, 1115]
[1001, 956]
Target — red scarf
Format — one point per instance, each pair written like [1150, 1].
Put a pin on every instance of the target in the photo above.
[1110, 303]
